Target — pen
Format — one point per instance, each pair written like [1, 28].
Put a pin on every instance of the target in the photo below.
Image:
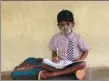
[57, 52]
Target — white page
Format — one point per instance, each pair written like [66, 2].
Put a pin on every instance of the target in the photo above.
[59, 65]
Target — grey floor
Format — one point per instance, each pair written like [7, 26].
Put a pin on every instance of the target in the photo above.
[98, 73]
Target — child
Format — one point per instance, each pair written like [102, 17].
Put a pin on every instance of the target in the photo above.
[70, 46]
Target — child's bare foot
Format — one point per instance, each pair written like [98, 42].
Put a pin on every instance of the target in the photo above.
[44, 75]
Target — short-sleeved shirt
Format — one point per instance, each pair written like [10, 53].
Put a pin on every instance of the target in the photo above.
[60, 41]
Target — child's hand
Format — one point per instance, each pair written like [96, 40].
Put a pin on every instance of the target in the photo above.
[77, 59]
[54, 59]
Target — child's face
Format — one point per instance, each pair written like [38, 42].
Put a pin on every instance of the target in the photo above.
[65, 27]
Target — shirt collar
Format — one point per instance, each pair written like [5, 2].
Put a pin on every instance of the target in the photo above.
[70, 36]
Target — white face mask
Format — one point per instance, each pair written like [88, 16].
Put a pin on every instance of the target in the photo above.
[66, 30]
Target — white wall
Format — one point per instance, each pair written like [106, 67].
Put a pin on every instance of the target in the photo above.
[27, 27]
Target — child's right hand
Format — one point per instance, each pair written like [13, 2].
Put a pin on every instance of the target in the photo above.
[54, 59]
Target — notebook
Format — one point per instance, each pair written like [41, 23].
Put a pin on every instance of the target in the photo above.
[60, 65]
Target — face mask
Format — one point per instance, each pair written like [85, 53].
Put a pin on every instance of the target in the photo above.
[66, 30]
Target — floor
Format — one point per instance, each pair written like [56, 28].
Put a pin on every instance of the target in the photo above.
[98, 73]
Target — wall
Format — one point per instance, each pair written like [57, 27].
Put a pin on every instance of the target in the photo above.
[27, 27]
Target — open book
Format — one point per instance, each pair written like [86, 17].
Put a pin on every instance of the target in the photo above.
[60, 65]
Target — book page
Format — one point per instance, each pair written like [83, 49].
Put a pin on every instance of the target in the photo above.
[60, 65]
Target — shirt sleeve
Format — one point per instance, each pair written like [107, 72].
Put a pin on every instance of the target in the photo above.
[52, 44]
[82, 45]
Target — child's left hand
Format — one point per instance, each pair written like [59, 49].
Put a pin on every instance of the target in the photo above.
[77, 59]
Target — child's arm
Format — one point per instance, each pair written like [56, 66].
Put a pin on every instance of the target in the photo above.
[83, 47]
[83, 55]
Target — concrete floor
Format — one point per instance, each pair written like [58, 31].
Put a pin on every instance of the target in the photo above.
[98, 73]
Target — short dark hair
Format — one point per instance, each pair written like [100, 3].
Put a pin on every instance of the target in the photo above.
[65, 15]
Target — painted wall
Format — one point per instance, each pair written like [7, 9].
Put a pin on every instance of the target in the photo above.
[27, 27]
